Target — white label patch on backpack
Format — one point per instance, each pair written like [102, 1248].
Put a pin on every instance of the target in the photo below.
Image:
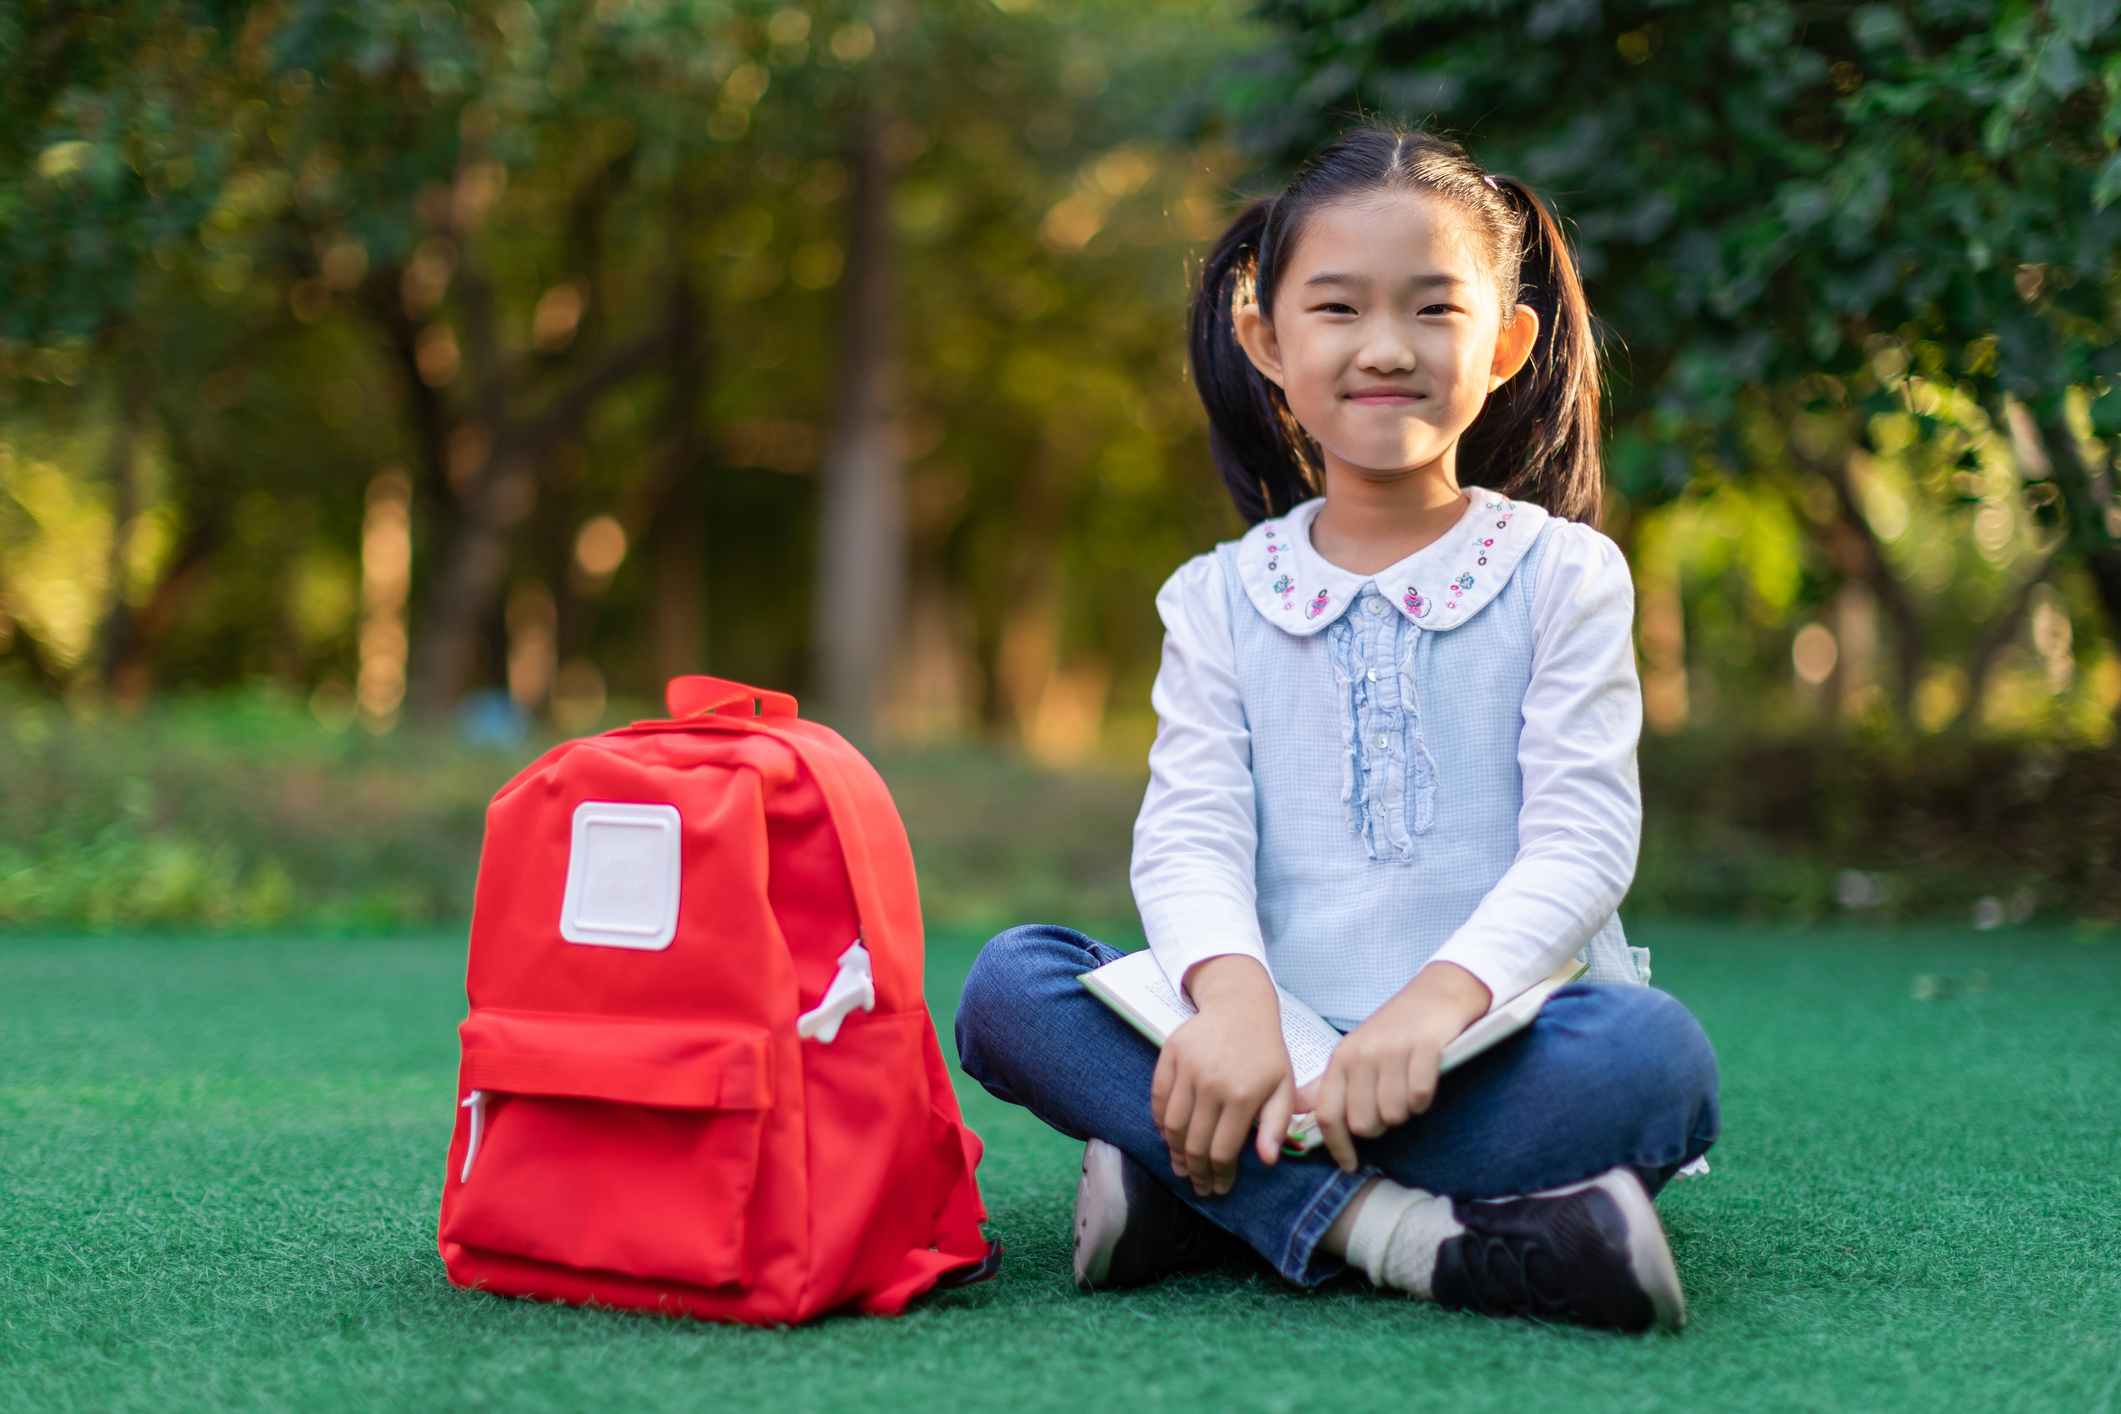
[622, 876]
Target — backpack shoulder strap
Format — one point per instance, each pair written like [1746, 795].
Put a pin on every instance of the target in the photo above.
[872, 837]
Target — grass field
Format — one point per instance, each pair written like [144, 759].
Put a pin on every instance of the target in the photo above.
[221, 1163]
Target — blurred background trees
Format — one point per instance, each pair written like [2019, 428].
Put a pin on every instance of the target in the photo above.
[484, 364]
[599, 313]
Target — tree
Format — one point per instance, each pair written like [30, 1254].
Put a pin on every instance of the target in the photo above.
[572, 265]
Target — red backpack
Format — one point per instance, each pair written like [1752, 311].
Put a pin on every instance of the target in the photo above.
[699, 1075]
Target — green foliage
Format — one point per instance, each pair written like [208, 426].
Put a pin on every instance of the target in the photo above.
[1759, 191]
[1768, 829]
[567, 259]
[243, 812]
[238, 812]
[1822, 241]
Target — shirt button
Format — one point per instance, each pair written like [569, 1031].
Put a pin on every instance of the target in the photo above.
[1380, 810]
[1373, 675]
[1373, 606]
[1381, 741]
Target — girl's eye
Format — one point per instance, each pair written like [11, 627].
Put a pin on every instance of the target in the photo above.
[1439, 309]
[1336, 309]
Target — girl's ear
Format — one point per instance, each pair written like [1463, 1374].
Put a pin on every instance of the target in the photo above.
[1513, 346]
[1256, 337]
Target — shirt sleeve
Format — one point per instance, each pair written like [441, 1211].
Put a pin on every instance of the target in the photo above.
[1197, 838]
[1580, 826]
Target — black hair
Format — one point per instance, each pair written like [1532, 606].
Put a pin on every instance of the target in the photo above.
[1535, 439]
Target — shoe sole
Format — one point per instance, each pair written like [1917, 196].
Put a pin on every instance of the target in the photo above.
[1100, 1213]
[1649, 1253]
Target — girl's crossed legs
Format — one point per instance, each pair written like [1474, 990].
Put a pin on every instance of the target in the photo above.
[1607, 1076]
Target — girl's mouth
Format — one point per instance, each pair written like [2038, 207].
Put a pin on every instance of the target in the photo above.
[1384, 397]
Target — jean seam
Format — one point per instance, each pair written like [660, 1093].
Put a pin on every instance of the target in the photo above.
[1317, 1216]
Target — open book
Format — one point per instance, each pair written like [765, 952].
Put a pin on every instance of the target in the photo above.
[1136, 988]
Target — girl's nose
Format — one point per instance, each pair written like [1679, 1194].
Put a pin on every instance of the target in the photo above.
[1386, 350]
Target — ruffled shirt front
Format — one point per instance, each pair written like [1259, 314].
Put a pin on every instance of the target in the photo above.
[1371, 719]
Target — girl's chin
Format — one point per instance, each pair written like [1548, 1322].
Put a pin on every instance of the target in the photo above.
[1380, 464]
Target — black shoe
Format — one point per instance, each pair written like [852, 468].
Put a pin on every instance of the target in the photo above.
[1593, 1254]
[1130, 1229]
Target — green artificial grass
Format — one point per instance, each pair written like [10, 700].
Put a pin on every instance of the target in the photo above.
[221, 1162]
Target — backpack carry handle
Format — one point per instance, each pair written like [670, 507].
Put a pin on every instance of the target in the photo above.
[696, 695]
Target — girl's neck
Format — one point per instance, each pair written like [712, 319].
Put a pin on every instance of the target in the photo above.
[1373, 520]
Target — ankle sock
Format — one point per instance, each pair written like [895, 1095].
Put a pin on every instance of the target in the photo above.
[1396, 1234]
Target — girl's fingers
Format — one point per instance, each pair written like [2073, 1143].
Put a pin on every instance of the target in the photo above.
[1274, 1123]
[1177, 1118]
[1226, 1145]
[1200, 1144]
[1332, 1122]
[1362, 1100]
[1421, 1085]
[1160, 1083]
[1394, 1089]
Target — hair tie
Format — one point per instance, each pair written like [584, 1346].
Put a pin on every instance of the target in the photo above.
[1491, 183]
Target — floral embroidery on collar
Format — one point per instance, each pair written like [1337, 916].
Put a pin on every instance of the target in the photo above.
[1441, 585]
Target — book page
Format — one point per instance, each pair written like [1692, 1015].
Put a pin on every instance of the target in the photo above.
[1157, 987]
[1309, 1037]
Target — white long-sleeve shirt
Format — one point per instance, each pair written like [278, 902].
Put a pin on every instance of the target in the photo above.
[1390, 818]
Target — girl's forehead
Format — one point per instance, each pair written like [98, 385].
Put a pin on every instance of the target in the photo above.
[1387, 230]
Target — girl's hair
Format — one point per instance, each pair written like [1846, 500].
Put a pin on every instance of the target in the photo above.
[1535, 439]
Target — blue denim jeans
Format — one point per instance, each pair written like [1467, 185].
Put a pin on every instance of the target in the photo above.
[1606, 1075]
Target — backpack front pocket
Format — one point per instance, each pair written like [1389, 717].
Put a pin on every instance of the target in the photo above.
[610, 1145]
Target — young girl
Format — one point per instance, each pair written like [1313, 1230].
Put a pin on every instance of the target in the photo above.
[1395, 774]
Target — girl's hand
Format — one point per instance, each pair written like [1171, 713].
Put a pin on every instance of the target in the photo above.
[1222, 1070]
[1383, 1073]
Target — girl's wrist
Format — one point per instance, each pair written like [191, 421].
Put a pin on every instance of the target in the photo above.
[1232, 979]
[1442, 1000]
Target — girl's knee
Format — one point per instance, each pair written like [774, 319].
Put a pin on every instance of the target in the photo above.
[1022, 965]
[1643, 1034]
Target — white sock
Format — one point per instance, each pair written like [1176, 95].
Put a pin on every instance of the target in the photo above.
[1396, 1234]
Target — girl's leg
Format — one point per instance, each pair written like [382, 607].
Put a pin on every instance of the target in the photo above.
[1603, 1098]
[1029, 1032]
[1605, 1076]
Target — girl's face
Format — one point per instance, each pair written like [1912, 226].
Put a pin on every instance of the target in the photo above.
[1386, 335]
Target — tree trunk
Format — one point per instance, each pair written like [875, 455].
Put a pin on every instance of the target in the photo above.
[2091, 539]
[665, 511]
[134, 398]
[2002, 628]
[680, 620]
[132, 673]
[1910, 634]
[467, 591]
[862, 537]
[465, 595]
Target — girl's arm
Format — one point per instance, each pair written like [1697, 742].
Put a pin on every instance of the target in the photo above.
[1197, 835]
[1581, 822]
[1577, 831]
[1194, 846]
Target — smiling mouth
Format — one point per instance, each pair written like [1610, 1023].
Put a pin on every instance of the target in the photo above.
[1384, 397]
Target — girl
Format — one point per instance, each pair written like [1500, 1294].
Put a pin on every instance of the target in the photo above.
[1394, 773]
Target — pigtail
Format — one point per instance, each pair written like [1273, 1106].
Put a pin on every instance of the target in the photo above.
[1265, 460]
[1537, 437]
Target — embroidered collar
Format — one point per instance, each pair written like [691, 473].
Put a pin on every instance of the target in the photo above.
[1439, 586]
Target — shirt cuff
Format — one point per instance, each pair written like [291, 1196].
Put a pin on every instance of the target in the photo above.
[1189, 929]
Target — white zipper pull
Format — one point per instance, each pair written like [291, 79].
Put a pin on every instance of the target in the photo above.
[854, 985]
[476, 1103]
